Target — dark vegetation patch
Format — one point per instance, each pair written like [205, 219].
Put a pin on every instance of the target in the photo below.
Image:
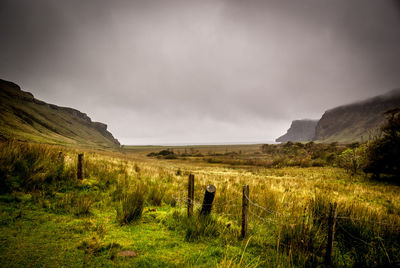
[166, 154]
[383, 154]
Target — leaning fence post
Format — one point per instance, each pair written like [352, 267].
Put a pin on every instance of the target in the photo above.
[331, 232]
[245, 210]
[208, 199]
[190, 195]
[79, 173]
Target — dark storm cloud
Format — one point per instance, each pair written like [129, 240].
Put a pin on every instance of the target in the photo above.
[201, 71]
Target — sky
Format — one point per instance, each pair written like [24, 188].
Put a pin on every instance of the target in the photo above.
[206, 71]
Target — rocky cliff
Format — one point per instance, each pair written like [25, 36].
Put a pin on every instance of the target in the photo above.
[26, 118]
[300, 130]
[356, 122]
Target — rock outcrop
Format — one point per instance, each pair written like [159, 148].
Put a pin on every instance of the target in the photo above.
[300, 130]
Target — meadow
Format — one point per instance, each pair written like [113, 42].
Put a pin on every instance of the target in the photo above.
[134, 199]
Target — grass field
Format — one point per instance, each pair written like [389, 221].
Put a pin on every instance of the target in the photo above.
[129, 201]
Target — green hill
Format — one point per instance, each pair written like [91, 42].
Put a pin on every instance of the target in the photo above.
[24, 118]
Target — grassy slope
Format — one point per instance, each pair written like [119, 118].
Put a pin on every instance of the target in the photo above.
[356, 122]
[25, 119]
[34, 231]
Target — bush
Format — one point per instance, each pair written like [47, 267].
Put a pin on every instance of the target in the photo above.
[383, 154]
[353, 159]
[163, 154]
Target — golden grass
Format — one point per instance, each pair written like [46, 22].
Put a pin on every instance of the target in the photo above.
[289, 205]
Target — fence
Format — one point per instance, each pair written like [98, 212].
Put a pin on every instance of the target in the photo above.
[247, 203]
[330, 219]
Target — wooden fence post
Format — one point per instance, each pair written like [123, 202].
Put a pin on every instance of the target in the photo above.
[190, 195]
[80, 167]
[245, 210]
[208, 199]
[60, 157]
[331, 232]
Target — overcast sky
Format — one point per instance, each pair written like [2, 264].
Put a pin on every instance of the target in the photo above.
[206, 71]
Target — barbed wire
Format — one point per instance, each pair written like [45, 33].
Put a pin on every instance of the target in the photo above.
[261, 207]
[230, 204]
[319, 216]
[270, 211]
[364, 220]
[352, 236]
[266, 220]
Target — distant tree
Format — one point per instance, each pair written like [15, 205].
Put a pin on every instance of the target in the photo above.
[383, 155]
[353, 158]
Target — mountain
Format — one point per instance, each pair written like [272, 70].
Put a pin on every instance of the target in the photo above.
[300, 130]
[22, 117]
[356, 122]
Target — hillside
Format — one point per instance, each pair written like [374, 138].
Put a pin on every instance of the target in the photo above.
[357, 121]
[25, 118]
[300, 130]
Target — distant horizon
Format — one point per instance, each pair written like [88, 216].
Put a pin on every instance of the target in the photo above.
[204, 143]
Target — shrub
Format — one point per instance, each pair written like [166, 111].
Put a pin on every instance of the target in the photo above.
[170, 156]
[130, 207]
[353, 159]
[82, 205]
[156, 194]
[383, 154]
[203, 226]
[161, 153]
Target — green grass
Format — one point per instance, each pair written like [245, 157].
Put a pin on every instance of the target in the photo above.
[60, 221]
[31, 235]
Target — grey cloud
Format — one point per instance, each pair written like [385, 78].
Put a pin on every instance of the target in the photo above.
[226, 70]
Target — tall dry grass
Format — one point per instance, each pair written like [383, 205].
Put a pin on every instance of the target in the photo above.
[288, 211]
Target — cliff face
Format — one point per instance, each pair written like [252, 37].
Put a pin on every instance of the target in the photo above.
[358, 121]
[25, 118]
[300, 130]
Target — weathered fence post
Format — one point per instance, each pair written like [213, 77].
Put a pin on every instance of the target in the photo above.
[245, 210]
[208, 199]
[60, 157]
[331, 232]
[190, 195]
[79, 173]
